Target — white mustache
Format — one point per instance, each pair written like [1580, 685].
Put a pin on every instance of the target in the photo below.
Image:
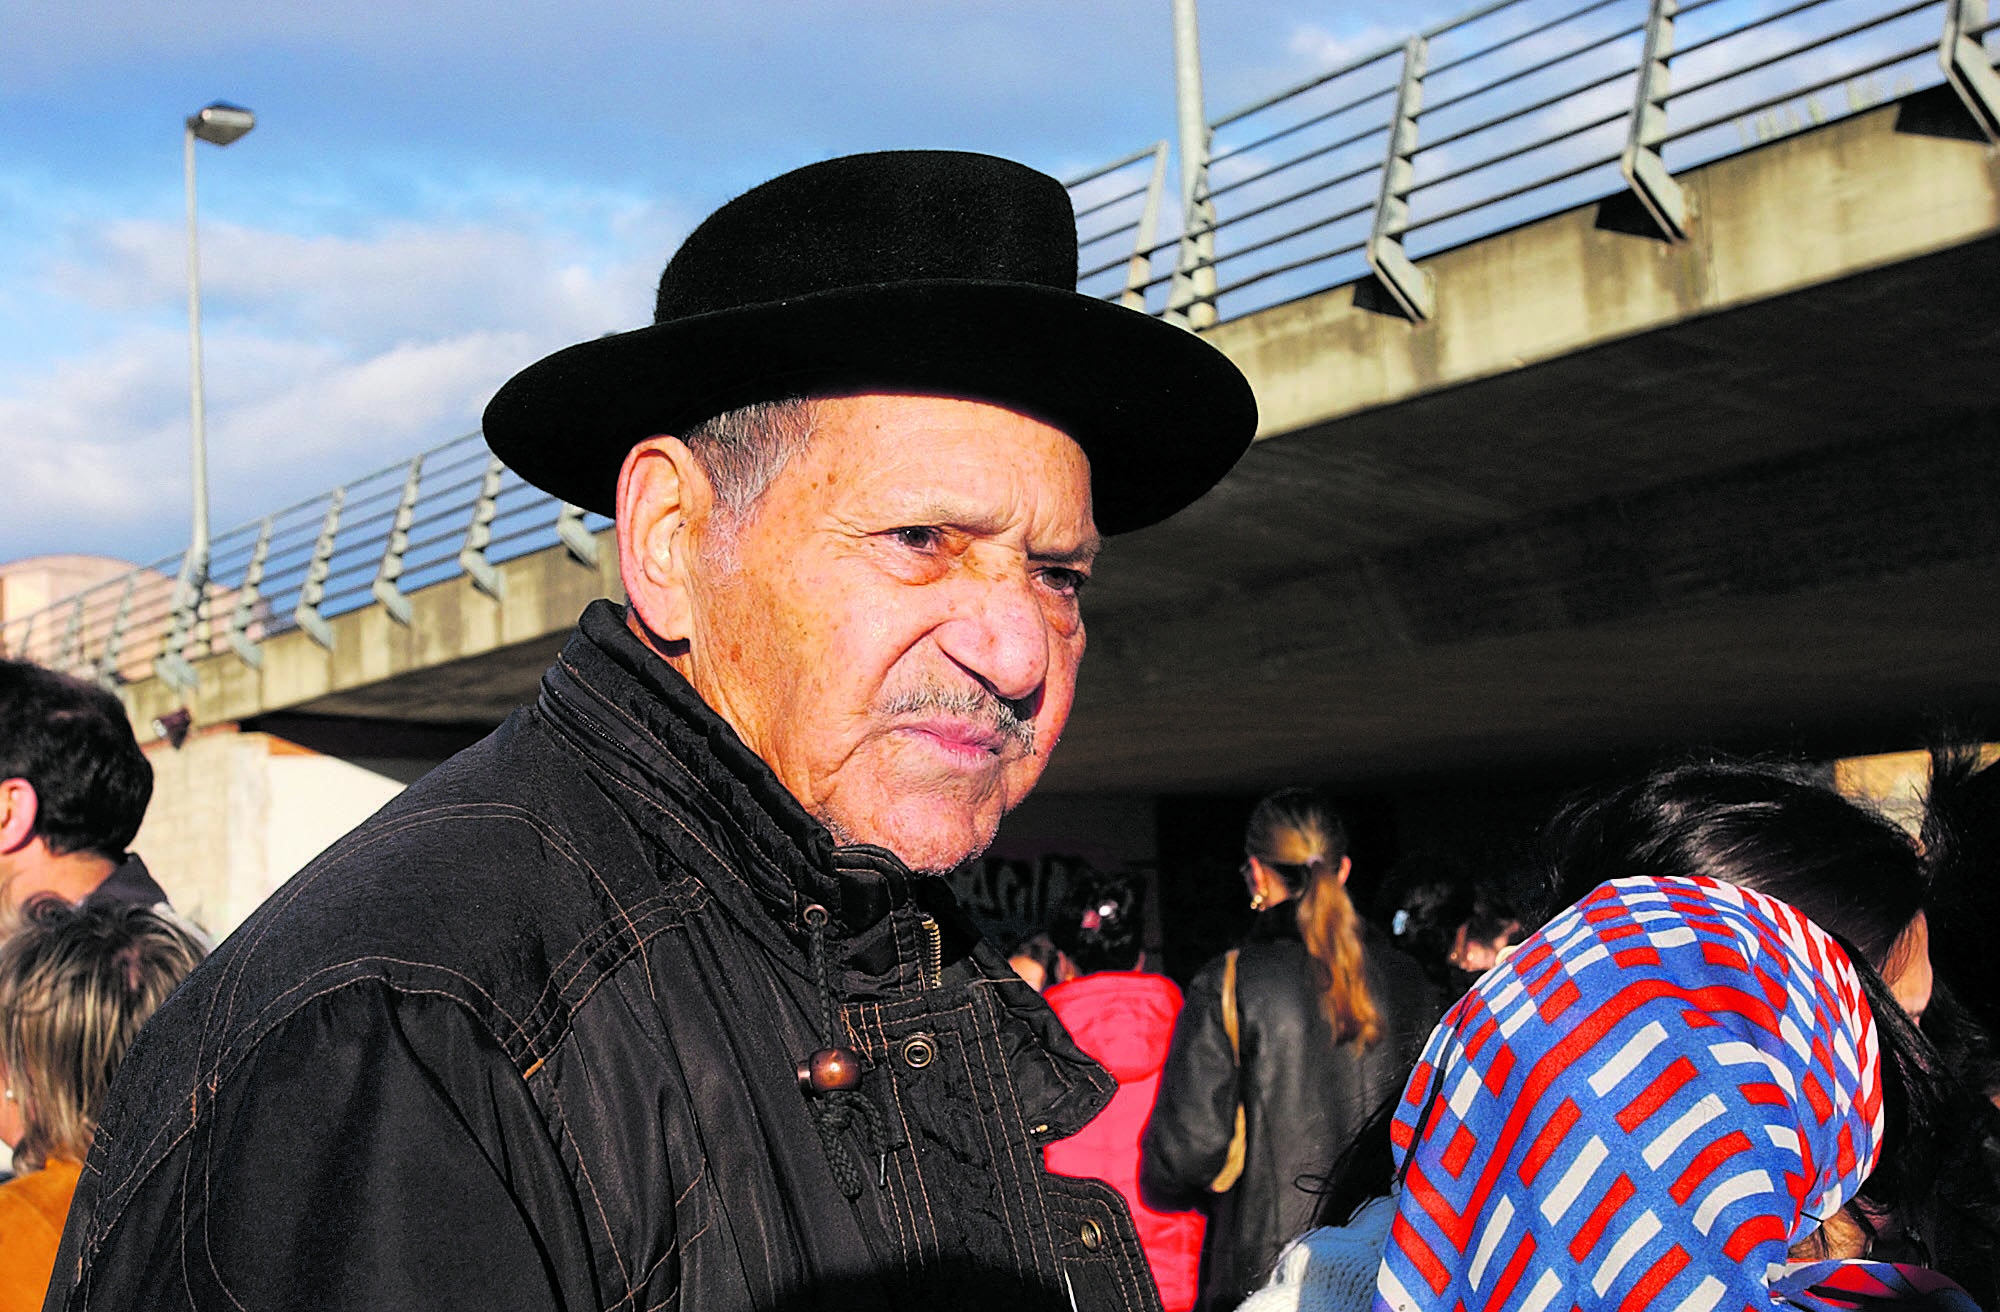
[976, 704]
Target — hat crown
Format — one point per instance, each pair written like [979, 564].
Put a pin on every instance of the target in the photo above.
[868, 220]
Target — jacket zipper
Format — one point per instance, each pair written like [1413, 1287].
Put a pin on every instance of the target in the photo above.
[931, 974]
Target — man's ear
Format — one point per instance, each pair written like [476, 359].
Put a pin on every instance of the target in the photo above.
[664, 500]
[19, 807]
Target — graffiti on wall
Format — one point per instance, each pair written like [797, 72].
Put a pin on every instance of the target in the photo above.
[1014, 897]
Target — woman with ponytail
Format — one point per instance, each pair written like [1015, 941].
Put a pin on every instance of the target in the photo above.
[1285, 1047]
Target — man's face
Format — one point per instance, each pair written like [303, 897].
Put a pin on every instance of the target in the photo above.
[894, 626]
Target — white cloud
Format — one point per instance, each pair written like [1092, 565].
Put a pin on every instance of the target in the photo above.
[84, 448]
[362, 412]
[404, 278]
[327, 357]
[97, 457]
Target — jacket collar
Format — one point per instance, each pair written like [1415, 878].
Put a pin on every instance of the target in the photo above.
[632, 713]
[1275, 923]
[642, 718]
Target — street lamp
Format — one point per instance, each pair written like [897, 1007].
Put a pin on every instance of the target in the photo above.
[218, 124]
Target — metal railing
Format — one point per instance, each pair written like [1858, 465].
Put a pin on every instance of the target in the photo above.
[1517, 110]
[1525, 108]
[451, 510]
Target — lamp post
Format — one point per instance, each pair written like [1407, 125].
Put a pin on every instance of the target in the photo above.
[219, 124]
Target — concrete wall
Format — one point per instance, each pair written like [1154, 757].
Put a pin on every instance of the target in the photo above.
[1894, 783]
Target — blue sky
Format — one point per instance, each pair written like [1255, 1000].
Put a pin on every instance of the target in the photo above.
[438, 193]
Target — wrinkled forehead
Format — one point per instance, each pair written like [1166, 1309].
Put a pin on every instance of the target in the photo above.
[949, 460]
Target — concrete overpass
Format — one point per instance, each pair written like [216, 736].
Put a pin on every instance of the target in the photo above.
[1618, 492]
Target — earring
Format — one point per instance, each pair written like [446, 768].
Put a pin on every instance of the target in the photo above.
[1257, 900]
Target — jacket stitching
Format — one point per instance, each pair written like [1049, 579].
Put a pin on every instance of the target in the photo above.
[720, 805]
[999, 1077]
[901, 1200]
[317, 870]
[635, 946]
[596, 1198]
[117, 1198]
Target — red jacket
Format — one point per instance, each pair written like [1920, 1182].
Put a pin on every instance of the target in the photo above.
[1125, 1020]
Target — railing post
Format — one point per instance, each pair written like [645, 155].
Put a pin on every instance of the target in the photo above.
[478, 534]
[72, 639]
[245, 613]
[1412, 288]
[192, 581]
[1139, 271]
[1191, 303]
[107, 660]
[313, 591]
[1966, 66]
[1645, 172]
[579, 541]
[384, 587]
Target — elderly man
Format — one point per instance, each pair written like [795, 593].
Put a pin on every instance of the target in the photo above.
[650, 999]
[73, 790]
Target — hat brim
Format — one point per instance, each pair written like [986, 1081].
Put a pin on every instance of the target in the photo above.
[1161, 414]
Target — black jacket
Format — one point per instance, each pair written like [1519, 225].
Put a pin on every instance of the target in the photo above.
[1304, 1098]
[128, 884]
[527, 1039]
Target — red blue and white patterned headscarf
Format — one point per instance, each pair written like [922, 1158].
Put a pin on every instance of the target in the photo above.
[1643, 1108]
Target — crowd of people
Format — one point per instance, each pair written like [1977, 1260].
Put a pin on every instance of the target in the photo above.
[1736, 1067]
[89, 947]
[654, 998]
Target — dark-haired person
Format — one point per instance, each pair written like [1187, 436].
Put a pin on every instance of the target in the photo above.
[1768, 826]
[1454, 923]
[1697, 1085]
[1326, 1017]
[1961, 845]
[76, 983]
[1122, 1015]
[1672, 1096]
[1034, 960]
[73, 788]
[656, 998]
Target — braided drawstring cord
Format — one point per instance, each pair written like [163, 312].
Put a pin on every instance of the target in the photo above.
[831, 1077]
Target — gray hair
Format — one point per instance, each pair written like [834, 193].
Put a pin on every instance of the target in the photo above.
[743, 450]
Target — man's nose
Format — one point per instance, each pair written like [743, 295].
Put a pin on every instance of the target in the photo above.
[999, 633]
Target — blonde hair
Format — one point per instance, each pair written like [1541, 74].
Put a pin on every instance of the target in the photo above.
[76, 983]
[1297, 835]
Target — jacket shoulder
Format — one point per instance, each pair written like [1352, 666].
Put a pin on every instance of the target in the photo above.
[498, 881]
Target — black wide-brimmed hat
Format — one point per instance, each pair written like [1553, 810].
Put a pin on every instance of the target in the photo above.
[918, 271]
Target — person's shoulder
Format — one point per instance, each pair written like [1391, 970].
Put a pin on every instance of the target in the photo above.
[1105, 990]
[38, 1200]
[450, 890]
[500, 834]
[128, 884]
[1271, 961]
[1391, 962]
[1208, 979]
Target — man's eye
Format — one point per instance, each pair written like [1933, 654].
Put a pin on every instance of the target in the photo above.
[919, 537]
[1068, 582]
